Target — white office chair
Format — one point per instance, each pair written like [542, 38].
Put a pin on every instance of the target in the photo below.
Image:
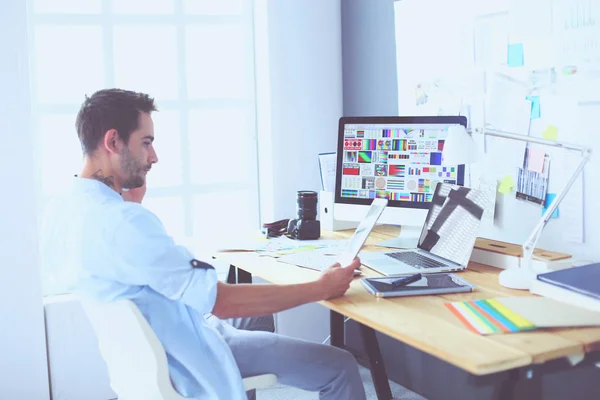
[135, 358]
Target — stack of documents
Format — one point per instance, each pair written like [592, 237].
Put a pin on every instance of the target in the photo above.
[516, 314]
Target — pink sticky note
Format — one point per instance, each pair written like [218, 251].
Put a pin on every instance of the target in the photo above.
[536, 160]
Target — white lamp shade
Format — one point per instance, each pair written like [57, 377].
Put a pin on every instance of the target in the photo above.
[459, 147]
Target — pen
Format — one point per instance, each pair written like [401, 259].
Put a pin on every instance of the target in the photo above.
[406, 280]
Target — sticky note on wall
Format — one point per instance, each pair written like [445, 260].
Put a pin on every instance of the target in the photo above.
[551, 133]
[549, 199]
[536, 107]
[516, 55]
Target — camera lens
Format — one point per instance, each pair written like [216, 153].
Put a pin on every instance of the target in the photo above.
[307, 205]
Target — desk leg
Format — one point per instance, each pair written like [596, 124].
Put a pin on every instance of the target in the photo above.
[526, 382]
[243, 276]
[232, 275]
[380, 378]
[336, 329]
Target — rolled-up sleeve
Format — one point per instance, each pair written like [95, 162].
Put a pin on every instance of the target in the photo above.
[147, 256]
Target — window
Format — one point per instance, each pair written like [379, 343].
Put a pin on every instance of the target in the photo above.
[196, 58]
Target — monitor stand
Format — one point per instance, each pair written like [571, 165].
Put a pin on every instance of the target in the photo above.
[407, 239]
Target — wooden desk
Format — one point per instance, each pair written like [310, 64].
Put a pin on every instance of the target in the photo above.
[423, 322]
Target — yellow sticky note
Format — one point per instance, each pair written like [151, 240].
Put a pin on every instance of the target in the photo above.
[551, 133]
[506, 184]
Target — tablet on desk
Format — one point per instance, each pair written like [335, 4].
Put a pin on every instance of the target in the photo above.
[439, 283]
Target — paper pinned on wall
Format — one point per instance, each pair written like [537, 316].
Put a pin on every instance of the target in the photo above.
[491, 40]
[489, 187]
[530, 23]
[327, 166]
[572, 213]
[508, 109]
[536, 160]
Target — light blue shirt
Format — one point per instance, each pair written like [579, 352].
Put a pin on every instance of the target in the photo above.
[112, 249]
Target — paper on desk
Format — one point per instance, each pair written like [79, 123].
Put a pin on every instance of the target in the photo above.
[544, 312]
[517, 314]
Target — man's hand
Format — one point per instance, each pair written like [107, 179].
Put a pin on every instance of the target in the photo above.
[335, 280]
[136, 195]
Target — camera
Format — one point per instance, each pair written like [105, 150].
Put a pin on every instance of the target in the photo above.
[306, 227]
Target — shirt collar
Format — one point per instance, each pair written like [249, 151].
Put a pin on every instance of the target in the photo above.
[88, 185]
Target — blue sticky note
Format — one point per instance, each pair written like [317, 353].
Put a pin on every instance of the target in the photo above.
[536, 107]
[549, 199]
[516, 56]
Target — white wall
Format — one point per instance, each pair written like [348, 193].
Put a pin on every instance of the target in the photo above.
[300, 100]
[299, 89]
[23, 367]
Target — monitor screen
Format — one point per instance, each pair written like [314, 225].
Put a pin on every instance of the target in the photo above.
[396, 158]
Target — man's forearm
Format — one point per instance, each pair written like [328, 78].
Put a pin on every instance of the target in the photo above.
[254, 300]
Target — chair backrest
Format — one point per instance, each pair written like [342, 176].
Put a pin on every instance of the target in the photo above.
[135, 358]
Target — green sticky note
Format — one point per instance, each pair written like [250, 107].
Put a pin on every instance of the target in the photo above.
[551, 133]
[506, 184]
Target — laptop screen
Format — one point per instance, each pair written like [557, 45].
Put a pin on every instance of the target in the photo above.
[451, 226]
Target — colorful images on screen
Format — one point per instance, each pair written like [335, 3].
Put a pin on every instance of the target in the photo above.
[402, 164]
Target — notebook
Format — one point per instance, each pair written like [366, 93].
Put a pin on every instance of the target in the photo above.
[578, 286]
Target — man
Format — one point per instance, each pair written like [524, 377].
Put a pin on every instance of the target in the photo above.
[118, 249]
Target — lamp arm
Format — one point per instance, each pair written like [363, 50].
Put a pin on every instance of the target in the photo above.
[530, 243]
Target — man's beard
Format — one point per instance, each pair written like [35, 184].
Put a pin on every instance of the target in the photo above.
[132, 169]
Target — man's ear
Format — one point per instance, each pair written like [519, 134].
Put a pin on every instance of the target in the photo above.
[111, 141]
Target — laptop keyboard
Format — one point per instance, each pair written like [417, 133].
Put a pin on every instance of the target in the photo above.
[416, 260]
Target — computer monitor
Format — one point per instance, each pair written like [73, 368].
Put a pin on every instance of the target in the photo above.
[397, 158]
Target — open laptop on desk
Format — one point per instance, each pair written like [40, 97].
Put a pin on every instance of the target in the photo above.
[447, 237]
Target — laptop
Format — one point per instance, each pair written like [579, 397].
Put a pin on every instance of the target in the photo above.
[447, 237]
[319, 259]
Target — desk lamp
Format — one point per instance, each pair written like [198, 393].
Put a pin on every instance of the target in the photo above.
[460, 148]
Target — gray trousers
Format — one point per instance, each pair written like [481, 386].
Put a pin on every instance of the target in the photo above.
[316, 367]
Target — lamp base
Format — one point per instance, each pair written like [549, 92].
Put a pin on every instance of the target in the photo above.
[517, 278]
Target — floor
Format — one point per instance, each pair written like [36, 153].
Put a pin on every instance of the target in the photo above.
[281, 392]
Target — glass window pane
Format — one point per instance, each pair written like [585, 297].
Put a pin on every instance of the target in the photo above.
[216, 213]
[68, 62]
[146, 60]
[67, 6]
[212, 7]
[170, 211]
[167, 143]
[217, 61]
[143, 6]
[220, 146]
[59, 153]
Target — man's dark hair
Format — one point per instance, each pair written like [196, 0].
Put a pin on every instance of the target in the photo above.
[110, 109]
